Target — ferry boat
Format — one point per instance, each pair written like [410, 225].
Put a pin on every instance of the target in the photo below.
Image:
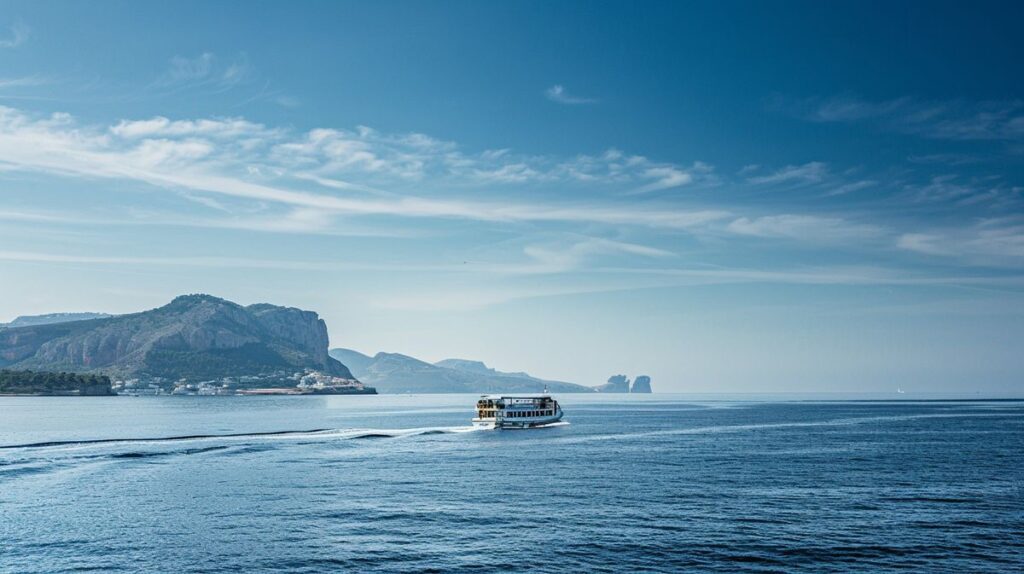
[516, 412]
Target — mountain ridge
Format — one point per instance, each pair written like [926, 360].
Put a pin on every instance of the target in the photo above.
[52, 318]
[398, 373]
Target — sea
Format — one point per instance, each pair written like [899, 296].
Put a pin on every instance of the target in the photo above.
[402, 484]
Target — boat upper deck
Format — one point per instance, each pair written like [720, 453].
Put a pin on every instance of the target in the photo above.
[519, 406]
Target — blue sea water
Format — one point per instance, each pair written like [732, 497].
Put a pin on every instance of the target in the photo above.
[400, 484]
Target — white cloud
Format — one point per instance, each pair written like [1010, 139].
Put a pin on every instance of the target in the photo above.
[560, 257]
[804, 227]
[664, 177]
[852, 187]
[990, 192]
[994, 241]
[558, 93]
[243, 160]
[216, 128]
[811, 172]
[922, 243]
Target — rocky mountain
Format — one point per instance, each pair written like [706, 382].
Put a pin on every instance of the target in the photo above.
[395, 373]
[479, 368]
[354, 360]
[195, 337]
[51, 318]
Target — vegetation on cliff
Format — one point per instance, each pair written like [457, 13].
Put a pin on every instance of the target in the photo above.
[47, 383]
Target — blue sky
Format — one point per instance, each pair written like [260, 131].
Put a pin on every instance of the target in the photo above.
[725, 196]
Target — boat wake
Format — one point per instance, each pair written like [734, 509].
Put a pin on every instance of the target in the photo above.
[250, 436]
[45, 457]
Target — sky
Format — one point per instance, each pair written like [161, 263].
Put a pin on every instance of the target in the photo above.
[726, 196]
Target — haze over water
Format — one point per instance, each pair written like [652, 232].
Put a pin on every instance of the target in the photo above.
[402, 484]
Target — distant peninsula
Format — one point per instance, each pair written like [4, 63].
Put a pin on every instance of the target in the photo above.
[398, 373]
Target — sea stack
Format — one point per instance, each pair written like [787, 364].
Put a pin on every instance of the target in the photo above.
[641, 384]
[615, 384]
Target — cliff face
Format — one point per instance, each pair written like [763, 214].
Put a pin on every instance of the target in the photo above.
[194, 336]
[641, 384]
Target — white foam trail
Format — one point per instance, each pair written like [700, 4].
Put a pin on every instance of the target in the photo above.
[381, 433]
[242, 438]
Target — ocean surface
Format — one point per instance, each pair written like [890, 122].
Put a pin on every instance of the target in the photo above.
[659, 483]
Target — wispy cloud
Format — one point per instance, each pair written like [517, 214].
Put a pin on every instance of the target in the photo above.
[559, 94]
[240, 159]
[570, 254]
[851, 187]
[994, 241]
[214, 262]
[203, 70]
[161, 127]
[944, 119]
[296, 221]
[665, 177]
[16, 35]
[804, 227]
[251, 176]
[23, 82]
[631, 279]
[988, 192]
[811, 172]
[188, 69]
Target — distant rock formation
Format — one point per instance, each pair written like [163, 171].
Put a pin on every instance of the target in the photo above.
[615, 384]
[194, 337]
[641, 384]
[396, 373]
